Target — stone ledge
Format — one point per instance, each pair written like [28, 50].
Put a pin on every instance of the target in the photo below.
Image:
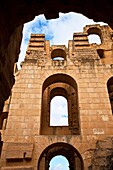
[18, 168]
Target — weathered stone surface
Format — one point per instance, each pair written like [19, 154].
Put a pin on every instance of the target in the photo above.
[87, 54]
[79, 77]
[18, 168]
[103, 155]
[19, 151]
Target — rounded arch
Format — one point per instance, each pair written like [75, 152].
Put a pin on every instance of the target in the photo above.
[60, 77]
[95, 34]
[58, 91]
[110, 91]
[94, 30]
[60, 148]
[65, 85]
[58, 53]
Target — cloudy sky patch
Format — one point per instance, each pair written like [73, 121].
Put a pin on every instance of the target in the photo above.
[58, 111]
[59, 163]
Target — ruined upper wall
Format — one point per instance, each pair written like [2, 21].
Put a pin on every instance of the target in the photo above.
[78, 48]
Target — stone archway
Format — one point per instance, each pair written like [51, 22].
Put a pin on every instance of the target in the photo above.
[64, 85]
[68, 151]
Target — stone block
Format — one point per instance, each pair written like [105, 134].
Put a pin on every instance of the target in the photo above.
[19, 151]
[105, 144]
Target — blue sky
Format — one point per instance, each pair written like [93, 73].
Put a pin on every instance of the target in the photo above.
[58, 31]
[59, 163]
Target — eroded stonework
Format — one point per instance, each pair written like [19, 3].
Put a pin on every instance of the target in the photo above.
[83, 75]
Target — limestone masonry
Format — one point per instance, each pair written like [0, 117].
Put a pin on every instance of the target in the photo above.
[83, 74]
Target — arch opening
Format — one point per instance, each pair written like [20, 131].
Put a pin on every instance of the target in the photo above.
[67, 151]
[94, 35]
[59, 162]
[58, 54]
[94, 38]
[94, 30]
[65, 86]
[59, 111]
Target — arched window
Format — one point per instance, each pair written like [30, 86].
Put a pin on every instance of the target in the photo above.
[60, 156]
[60, 118]
[59, 163]
[58, 54]
[94, 35]
[93, 38]
[59, 111]
[110, 91]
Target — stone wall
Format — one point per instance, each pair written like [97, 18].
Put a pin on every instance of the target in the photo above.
[24, 145]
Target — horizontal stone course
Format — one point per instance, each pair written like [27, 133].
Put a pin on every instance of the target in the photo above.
[18, 168]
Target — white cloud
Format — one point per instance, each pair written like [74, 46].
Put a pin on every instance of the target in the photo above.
[59, 111]
[94, 39]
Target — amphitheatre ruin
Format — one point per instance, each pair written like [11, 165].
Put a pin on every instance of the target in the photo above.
[83, 75]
